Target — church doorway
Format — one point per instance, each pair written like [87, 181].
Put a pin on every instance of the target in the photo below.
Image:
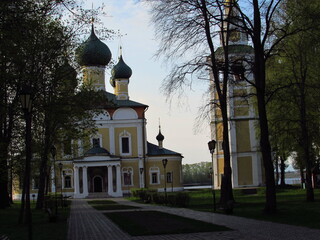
[97, 184]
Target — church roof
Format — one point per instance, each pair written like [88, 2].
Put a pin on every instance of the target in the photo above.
[97, 151]
[154, 150]
[112, 98]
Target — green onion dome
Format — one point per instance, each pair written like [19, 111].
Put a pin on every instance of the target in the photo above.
[121, 70]
[93, 52]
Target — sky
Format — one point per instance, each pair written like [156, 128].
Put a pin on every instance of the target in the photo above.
[178, 119]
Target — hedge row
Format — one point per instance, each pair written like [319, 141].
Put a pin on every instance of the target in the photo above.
[178, 199]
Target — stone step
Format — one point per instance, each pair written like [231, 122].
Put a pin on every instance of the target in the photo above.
[98, 195]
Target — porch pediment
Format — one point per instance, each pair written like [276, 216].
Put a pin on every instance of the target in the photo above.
[96, 159]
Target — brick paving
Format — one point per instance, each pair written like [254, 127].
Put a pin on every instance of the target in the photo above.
[86, 223]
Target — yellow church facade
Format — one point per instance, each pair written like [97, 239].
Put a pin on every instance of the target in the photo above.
[117, 157]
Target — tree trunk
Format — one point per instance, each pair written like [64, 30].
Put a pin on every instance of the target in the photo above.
[43, 169]
[306, 143]
[4, 194]
[260, 80]
[226, 198]
[303, 180]
[282, 171]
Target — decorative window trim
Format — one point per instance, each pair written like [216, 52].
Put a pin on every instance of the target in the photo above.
[157, 171]
[96, 136]
[125, 134]
[127, 170]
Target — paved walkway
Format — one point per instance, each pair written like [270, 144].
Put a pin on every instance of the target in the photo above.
[86, 223]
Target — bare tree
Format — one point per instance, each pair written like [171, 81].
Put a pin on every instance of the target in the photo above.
[192, 28]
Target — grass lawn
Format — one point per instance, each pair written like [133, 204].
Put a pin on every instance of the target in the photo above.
[292, 206]
[109, 205]
[139, 223]
[42, 228]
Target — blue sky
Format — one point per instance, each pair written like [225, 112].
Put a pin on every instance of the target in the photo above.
[139, 47]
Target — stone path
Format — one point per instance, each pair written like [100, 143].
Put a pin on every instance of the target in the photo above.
[86, 223]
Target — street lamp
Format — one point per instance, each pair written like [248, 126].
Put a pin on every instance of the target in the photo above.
[212, 146]
[164, 163]
[26, 103]
[53, 151]
[141, 178]
[60, 169]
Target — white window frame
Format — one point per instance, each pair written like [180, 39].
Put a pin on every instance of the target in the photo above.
[96, 136]
[157, 171]
[127, 170]
[125, 134]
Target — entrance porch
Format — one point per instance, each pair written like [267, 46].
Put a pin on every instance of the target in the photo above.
[97, 178]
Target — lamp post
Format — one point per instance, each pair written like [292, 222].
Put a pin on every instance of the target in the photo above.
[129, 181]
[53, 153]
[60, 169]
[172, 181]
[164, 163]
[26, 103]
[212, 146]
[141, 178]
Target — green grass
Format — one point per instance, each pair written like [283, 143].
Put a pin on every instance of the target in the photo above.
[109, 205]
[292, 206]
[139, 223]
[42, 228]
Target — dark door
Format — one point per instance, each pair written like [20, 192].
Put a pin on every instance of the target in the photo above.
[97, 182]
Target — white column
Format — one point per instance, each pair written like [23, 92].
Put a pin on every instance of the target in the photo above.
[85, 181]
[53, 187]
[76, 182]
[112, 142]
[110, 187]
[119, 190]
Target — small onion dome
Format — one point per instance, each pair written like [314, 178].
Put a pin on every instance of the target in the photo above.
[121, 70]
[93, 52]
[160, 137]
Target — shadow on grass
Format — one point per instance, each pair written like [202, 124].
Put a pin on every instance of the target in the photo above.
[139, 223]
[42, 228]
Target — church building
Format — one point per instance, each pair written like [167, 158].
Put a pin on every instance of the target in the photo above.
[118, 156]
